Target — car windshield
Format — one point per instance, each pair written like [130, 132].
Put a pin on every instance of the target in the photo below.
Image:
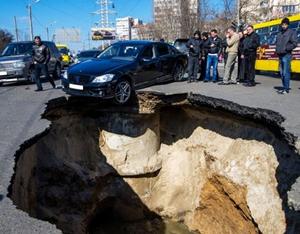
[88, 54]
[181, 46]
[63, 50]
[121, 51]
[17, 49]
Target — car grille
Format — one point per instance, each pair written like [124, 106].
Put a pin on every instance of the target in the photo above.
[5, 66]
[80, 79]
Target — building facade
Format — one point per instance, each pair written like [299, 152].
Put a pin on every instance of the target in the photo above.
[280, 8]
[175, 18]
[257, 11]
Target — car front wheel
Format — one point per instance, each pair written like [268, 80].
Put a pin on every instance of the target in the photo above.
[178, 72]
[123, 92]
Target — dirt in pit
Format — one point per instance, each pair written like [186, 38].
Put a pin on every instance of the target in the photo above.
[163, 166]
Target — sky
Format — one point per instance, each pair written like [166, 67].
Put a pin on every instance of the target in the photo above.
[56, 14]
[67, 14]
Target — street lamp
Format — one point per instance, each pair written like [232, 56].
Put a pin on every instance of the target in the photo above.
[30, 3]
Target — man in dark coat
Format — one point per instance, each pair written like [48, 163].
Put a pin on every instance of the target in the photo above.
[204, 54]
[286, 42]
[41, 57]
[241, 58]
[250, 45]
[194, 46]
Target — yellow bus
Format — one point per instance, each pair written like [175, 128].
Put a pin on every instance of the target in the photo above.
[65, 54]
[267, 59]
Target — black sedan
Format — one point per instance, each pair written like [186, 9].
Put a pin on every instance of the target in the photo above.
[124, 67]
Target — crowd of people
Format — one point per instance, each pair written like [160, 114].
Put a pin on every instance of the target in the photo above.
[239, 51]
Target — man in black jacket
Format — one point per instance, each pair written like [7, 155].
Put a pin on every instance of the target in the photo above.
[241, 58]
[250, 45]
[204, 53]
[194, 46]
[286, 42]
[214, 48]
[41, 57]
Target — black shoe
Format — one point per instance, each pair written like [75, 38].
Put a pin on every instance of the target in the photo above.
[189, 81]
[206, 81]
[223, 83]
[215, 81]
[38, 90]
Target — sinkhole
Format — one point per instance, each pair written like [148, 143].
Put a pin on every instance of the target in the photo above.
[164, 164]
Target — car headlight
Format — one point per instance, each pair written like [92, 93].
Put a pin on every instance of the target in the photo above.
[103, 78]
[19, 64]
[65, 75]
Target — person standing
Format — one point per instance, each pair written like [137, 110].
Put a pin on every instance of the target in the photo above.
[286, 42]
[241, 58]
[232, 41]
[251, 43]
[41, 57]
[204, 54]
[214, 48]
[194, 46]
[224, 47]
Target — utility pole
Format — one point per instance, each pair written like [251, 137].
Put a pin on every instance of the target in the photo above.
[130, 28]
[16, 28]
[238, 17]
[104, 12]
[30, 22]
[47, 30]
[29, 7]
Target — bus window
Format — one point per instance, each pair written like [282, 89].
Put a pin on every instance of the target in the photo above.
[294, 25]
[262, 30]
[298, 35]
[263, 39]
[272, 39]
[274, 28]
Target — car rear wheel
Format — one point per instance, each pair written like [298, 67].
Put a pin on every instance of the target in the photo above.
[123, 92]
[178, 72]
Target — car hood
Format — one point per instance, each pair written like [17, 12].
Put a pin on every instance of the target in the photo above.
[96, 67]
[13, 58]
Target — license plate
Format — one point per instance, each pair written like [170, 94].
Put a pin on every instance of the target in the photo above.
[3, 73]
[77, 87]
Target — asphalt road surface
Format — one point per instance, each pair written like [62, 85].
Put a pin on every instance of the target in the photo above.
[21, 107]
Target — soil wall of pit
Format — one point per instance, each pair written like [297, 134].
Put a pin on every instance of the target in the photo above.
[164, 165]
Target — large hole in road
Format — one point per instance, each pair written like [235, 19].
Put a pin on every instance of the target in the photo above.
[164, 164]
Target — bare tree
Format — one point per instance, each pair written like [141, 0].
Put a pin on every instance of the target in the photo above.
[189, 18]
[176, 19]
[5, 38]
